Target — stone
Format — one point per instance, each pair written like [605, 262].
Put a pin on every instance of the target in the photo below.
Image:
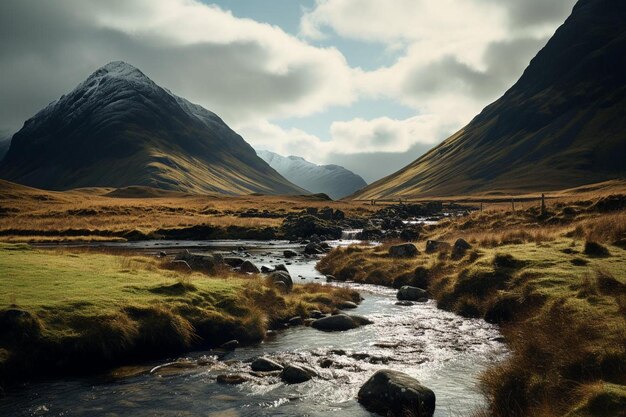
[234, 261]
[404, 250]
[281, 267]
[296, 321]
[232, 379]
[347, 304]
[230, 345]
[437, 246]
[411, 293]
[262, 364]
[316, 314]
[289, 253]
[404, 303]
[390, 392]
[249, 267]
[459, 248]
[296, 374]
[281, 276]
[330, 278]
[313, 249]
[339, 322]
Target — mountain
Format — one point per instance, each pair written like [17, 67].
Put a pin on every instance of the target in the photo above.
[563, 124]
[333, 180]
[4, 146]
[118, 128]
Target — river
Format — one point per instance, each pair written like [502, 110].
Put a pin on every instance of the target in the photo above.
[442, 350]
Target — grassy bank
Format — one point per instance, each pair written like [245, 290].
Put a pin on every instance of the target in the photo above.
[64, 311]
[555, 282]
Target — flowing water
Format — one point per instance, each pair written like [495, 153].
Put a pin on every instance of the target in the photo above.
[444, 351]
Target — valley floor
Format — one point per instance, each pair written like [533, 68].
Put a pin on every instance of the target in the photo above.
[76, 311]
[556, 282]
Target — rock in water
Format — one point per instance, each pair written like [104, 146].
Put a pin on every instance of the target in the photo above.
[296, 374]
[339, 322]
[403, 251]
[262, 364]
[250, 267]
[411, 293]
[395, 393]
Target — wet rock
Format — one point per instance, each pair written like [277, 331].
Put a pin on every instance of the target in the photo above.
[326, 363]
[316, 314]
[230, 345]
[307, 225]
[281, 267]
[296, 321]
[390, 392]
[234, 261]
[330, 278]
[411, 293]
[339, 322]
[265, 269]
[249, 267]
[280, 279]
[290, 253]
[296, 374]
[437, 246]
[262, 364]
[404, 303]
[347, 305]
[404, 250]
[313, 249]
[308, 322]
[259, 374]
[325, 246]
[460, 248]
[232, 379]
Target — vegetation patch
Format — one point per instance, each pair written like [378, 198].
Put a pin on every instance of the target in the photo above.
[74, 311]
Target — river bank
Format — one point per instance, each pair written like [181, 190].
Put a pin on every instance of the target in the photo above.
[555, 281]
[71, 310]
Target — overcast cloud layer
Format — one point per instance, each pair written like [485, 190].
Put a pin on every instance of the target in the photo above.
[453, 58]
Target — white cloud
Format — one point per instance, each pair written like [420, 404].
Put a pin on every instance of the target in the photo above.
[240, 68]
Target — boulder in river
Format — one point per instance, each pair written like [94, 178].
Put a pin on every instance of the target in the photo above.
[234, 261]
[249, 266]
[262, 364]
[296, 374]
[290, 253]
[281, 267]
[313, 249]
[390, 392]
[404, 250]
[281, 277]
[339, 322]
[411, 293]
[347, 304]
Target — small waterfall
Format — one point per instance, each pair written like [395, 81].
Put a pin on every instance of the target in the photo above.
[350, 234]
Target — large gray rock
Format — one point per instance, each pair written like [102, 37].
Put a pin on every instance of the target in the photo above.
[281, 276]
[313, 249]
[199, 262]
[296, 374]
[411, 293]
[404, 250]
[262, 364]
[395, 393]
[249, 266]
[290, 253]
[339, 322]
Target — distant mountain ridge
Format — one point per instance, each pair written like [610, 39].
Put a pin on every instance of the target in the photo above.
[333, 180]
[118, 128]
[563, 124]
[4, 146]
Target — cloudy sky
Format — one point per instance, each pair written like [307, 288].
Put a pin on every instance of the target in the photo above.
[368, 84]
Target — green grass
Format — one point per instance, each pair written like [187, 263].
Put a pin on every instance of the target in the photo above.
[74, 310]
